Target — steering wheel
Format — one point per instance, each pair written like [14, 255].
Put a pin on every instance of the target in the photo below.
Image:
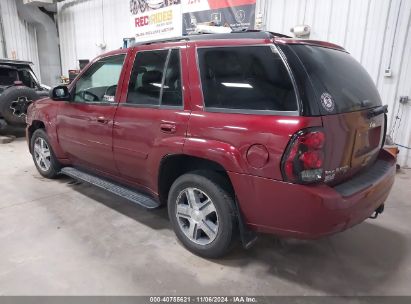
[112, 87]
[83, 94]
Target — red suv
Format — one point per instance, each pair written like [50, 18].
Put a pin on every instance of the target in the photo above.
[236, 133]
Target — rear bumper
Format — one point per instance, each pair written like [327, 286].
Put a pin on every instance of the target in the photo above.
[310, 212]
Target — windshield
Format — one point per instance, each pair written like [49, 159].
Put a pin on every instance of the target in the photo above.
[341, 83]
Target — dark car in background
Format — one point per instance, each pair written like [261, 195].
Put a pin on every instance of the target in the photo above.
[19, 87]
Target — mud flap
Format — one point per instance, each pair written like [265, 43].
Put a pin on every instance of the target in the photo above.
[248, 237]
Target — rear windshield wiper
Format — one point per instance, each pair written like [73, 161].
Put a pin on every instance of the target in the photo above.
[377, 111]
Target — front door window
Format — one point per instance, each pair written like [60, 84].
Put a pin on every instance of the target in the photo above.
[99, 82]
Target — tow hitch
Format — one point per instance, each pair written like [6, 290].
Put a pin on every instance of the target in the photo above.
[377, 211]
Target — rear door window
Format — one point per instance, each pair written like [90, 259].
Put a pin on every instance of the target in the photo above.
[244, 79]
[156, 79]
[340, 82]
[146, 78]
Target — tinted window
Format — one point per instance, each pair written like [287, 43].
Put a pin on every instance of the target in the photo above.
[172, 95]
[245, 78]
[339, 77]
[99, 82]
[7, 76]
[146, 78]
[27, 79]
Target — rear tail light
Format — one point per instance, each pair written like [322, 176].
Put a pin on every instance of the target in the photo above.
[304, 158]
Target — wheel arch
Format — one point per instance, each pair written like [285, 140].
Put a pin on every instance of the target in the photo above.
[173, 166]
[35, 125]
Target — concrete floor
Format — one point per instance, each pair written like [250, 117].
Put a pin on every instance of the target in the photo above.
[59, 238]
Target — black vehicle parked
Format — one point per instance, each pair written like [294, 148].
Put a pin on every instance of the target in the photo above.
[19, 87]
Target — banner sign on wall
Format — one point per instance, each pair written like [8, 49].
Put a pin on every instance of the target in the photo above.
[237, 14]
[156, 19]
[160, 19]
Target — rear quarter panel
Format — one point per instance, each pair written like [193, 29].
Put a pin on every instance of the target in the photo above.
[226, 138]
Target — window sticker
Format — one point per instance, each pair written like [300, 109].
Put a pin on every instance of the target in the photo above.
[327, 102]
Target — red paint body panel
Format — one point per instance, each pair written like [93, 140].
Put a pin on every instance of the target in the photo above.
[226, 138]
[85, 140]
[131, 145]
[306, 212]
[139, 143]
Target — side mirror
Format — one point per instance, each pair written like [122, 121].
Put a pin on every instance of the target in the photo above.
[60, 93]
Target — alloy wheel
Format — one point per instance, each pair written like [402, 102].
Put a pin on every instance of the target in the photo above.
[42, 154]
[197, 216]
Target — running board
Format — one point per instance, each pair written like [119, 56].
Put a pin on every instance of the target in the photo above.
[121, 191]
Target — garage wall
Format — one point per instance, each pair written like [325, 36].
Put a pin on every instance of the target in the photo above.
[376, 32]
[86, 24]
[18, 38]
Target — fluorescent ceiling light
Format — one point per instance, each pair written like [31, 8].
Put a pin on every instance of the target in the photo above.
[237, 85]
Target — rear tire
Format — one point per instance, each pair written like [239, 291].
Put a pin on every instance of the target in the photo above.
[202, 213]
[43, 155]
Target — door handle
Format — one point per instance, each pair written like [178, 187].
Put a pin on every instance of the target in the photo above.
[102, 119]
[168, 127]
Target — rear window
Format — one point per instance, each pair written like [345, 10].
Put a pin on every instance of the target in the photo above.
[249, 78]
[341, 83]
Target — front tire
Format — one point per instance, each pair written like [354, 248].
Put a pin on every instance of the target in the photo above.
[202, 213]
[43, 156]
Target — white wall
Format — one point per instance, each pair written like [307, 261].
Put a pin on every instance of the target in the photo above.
[83, 24]
[376, 32]
[20, 37]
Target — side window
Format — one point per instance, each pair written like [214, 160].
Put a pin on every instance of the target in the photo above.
[146, 78]
[245, 78]
[27, 79]
[172, 95]
[99, 82]
[150, 85]
[7, 76]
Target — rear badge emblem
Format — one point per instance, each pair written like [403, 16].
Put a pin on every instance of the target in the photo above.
[327, 102]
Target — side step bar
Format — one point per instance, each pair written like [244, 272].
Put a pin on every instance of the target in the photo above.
[131, 195]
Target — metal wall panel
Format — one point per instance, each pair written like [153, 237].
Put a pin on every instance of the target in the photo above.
[376, 32]
[85, 24]
[19, 36]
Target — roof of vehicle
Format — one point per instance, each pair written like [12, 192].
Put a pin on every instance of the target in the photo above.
[15, 62]
[249, 34]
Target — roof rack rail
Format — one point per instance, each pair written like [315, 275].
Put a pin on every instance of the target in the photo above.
[260, 31]
[204, 36]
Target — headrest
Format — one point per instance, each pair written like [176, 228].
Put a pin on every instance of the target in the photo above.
[152, 77]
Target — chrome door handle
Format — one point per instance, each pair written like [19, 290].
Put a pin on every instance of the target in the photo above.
[102, 119]
[168, 127]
